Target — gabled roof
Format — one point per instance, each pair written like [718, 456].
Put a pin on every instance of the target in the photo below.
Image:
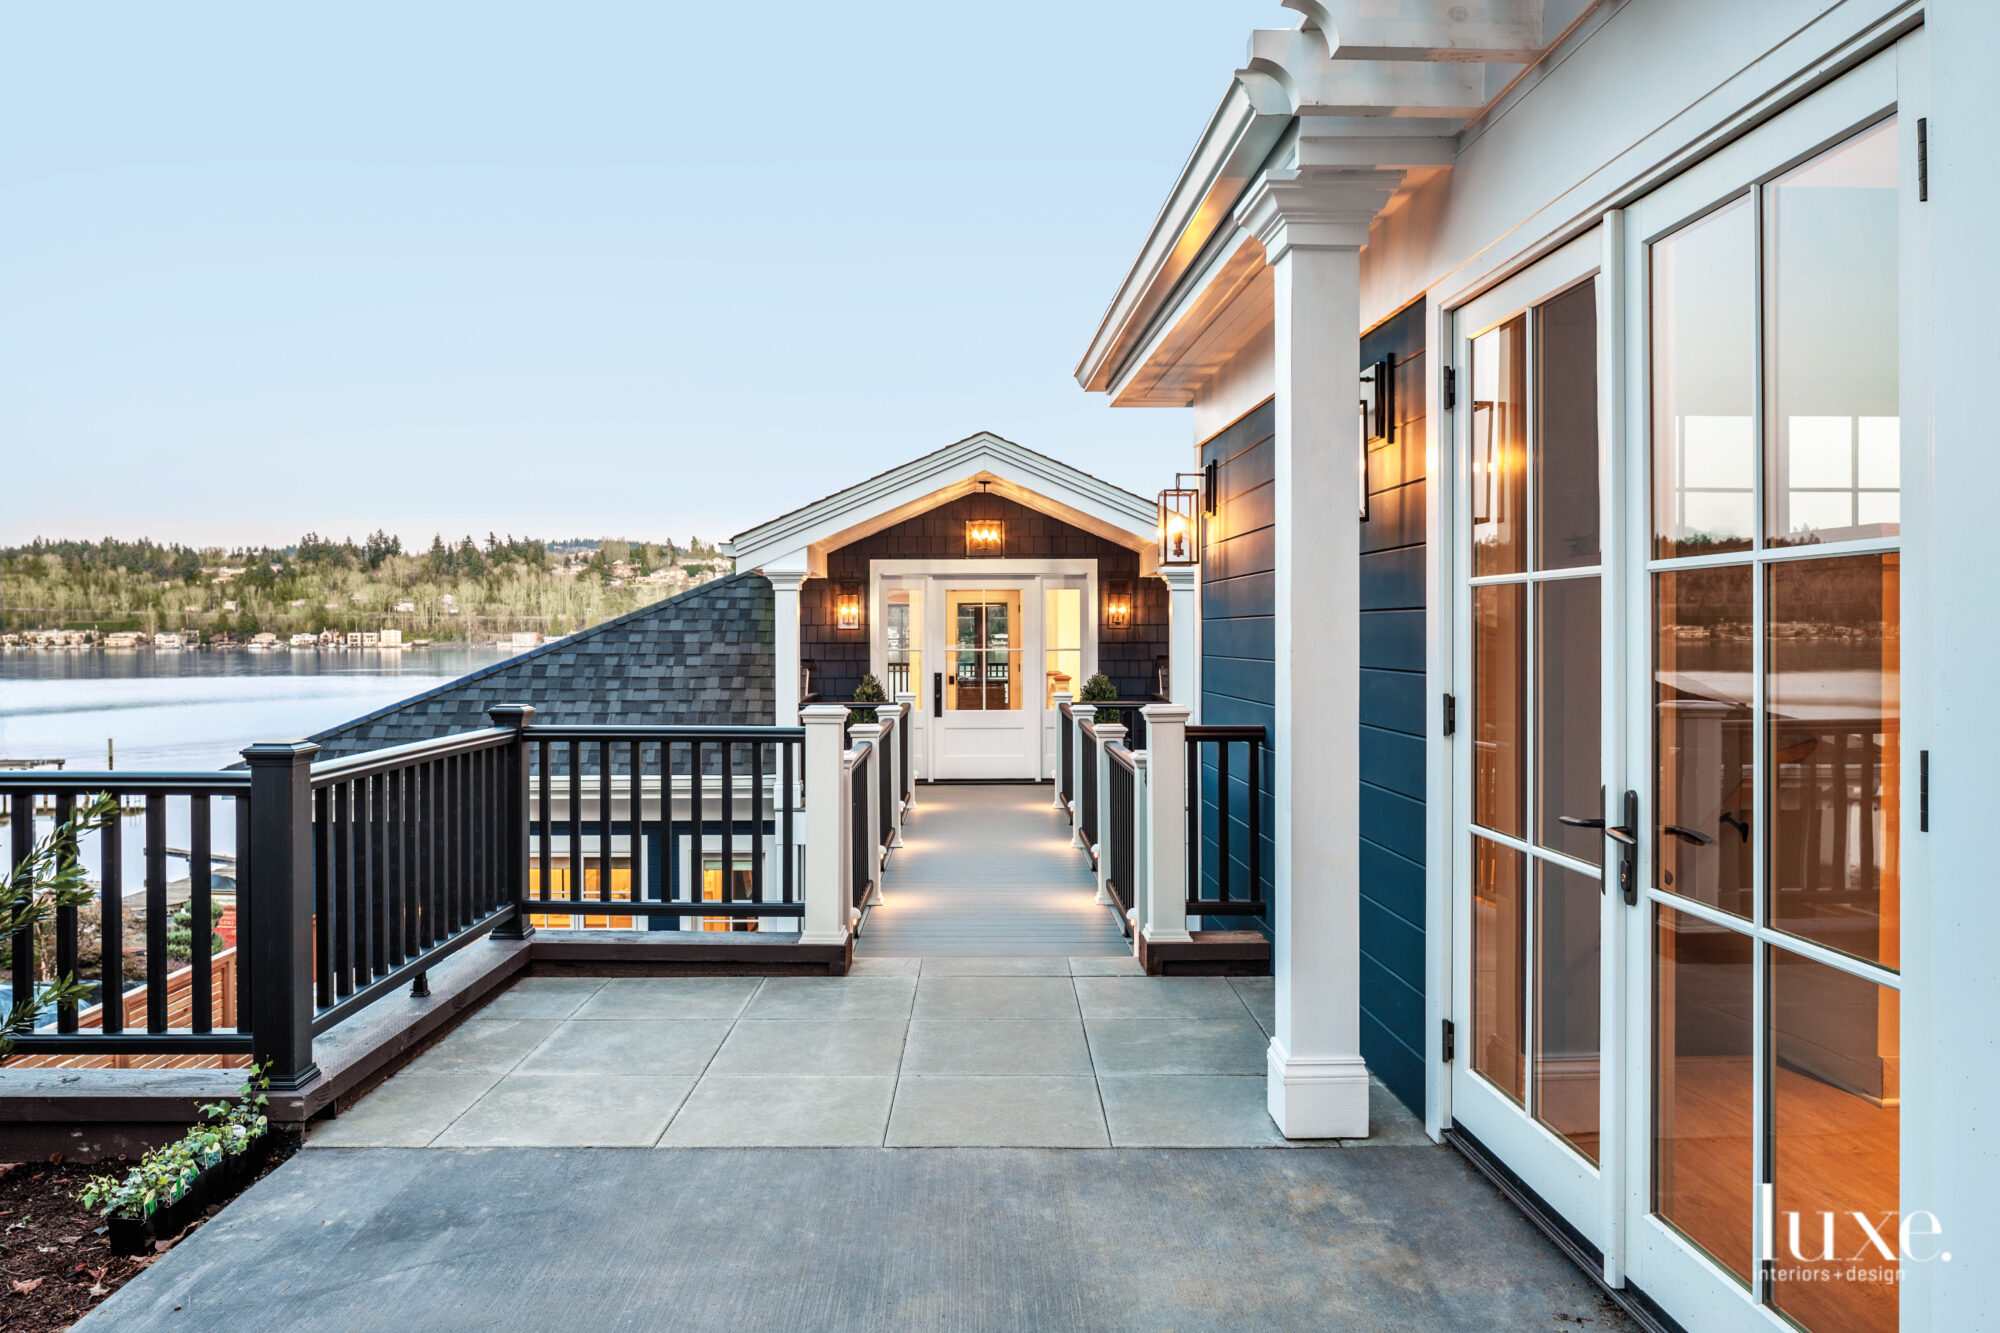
[702, 658]
[797, 540]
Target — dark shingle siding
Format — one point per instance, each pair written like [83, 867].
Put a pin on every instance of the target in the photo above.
[703, 658]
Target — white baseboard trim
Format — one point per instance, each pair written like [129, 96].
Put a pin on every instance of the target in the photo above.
[1322, 1098]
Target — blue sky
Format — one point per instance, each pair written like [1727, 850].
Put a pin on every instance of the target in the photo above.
[570, 270]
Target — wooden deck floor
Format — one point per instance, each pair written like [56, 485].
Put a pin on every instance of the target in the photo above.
[988, 871]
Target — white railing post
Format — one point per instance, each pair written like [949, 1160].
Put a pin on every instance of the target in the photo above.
[907, 701]
[827, 892]
[1166, 823]
[897, 719]
[1142, 852]
[871, 734]
[1062, 720]
[1100, 818]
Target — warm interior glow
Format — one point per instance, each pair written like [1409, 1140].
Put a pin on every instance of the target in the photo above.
[847, 609]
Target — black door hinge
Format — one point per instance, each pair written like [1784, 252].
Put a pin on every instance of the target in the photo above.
[1450, 1041]
[1451, 378]
[1923, 791]
[1923, 159]
[1450, 715]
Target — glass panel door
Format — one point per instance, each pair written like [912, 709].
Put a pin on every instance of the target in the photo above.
[1527, 1076]
[1770, 624]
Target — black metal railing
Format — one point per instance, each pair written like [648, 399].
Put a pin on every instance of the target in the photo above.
[1066, 769]
[866, 860]
[409, 862]
[1238, 881]
[742, 795]
[196, 1005]
[1121, 784]
[1086, 801]
[1125, 713]
[904, 726]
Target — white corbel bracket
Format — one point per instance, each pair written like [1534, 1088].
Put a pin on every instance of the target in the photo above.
[1320, 209]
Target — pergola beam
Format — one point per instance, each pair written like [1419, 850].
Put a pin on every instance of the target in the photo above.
[1501, 32]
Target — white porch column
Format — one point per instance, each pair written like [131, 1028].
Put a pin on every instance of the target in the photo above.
[1165, 904]
[785, 645]
[826, 888]
[870, 735]
[1312, 226]
[907, 701]
[1184, 635]
[1100, 815]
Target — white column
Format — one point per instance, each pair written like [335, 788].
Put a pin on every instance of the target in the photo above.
[907, 701]
[869, 734]
[785, 645]
[826, 888]
[1312, 227]
[1062, 720]
[894, 717]
[1165, 916]
[1183, 635]
[1100, 816]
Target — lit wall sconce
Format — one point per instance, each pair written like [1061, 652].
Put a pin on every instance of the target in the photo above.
[1118, 605]
[985, 536]
[847, 606]
[1180, 520]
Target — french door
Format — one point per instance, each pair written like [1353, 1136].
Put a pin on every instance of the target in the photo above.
[1533, 930]
[1681, 775]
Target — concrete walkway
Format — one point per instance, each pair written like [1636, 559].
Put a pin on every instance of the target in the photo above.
[1035, 1240]
[988, 870]
[938, 1052]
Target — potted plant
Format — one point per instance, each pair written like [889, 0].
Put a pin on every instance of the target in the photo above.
[174, 1183]
[1099, 689]
[869, 691]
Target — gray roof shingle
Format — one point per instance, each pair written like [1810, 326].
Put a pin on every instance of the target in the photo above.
[703, 658]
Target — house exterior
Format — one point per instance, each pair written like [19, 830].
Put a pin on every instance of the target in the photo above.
[1585, 395]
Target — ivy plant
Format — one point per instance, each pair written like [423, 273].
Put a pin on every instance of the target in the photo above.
[170, 1170]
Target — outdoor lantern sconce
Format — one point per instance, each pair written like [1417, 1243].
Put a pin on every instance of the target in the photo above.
[1180, 520]
[1118, 605]
[1378, 417]
[847, 606]
[985, 536]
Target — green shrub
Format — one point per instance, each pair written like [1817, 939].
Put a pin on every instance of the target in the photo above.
[1098, 689]
[180, 931]
[869, 691]
[165, 1174]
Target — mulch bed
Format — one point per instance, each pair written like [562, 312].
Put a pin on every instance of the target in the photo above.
[55, 1260]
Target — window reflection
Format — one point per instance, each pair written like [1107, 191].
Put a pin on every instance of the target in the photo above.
[1568, 910]
[1566, 488]
[1833, 435]
[1499, 704]
[1499, 966]
[1832, 685]
[1704, 338]
[1704, 799]
[1500, 449]
[1835, 1092]
[1568, 686]
[1702, 1085]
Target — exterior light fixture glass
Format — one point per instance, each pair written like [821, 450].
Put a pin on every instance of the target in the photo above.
[1118, 605]
[985, 536]
[847, 606]
[1181, 508]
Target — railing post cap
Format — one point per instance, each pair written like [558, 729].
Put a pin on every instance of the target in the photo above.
[821, 715]
[866, 731]
[511, 715]
[1166, 712]
[280, 752]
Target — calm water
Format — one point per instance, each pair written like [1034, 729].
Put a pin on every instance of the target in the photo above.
[197, 710]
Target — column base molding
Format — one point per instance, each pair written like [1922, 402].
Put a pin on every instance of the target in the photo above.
[1323, 1098]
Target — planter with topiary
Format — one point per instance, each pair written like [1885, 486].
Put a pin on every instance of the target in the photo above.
[1099, 689]
[869, 691]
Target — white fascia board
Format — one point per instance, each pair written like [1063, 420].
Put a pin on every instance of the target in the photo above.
[1231, 151]
[1104, 507]
[1501, 31]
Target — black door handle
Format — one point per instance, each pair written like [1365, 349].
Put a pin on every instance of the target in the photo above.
[1575, 821]
[1626, 835]
[1686, 834]
[937, 694]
